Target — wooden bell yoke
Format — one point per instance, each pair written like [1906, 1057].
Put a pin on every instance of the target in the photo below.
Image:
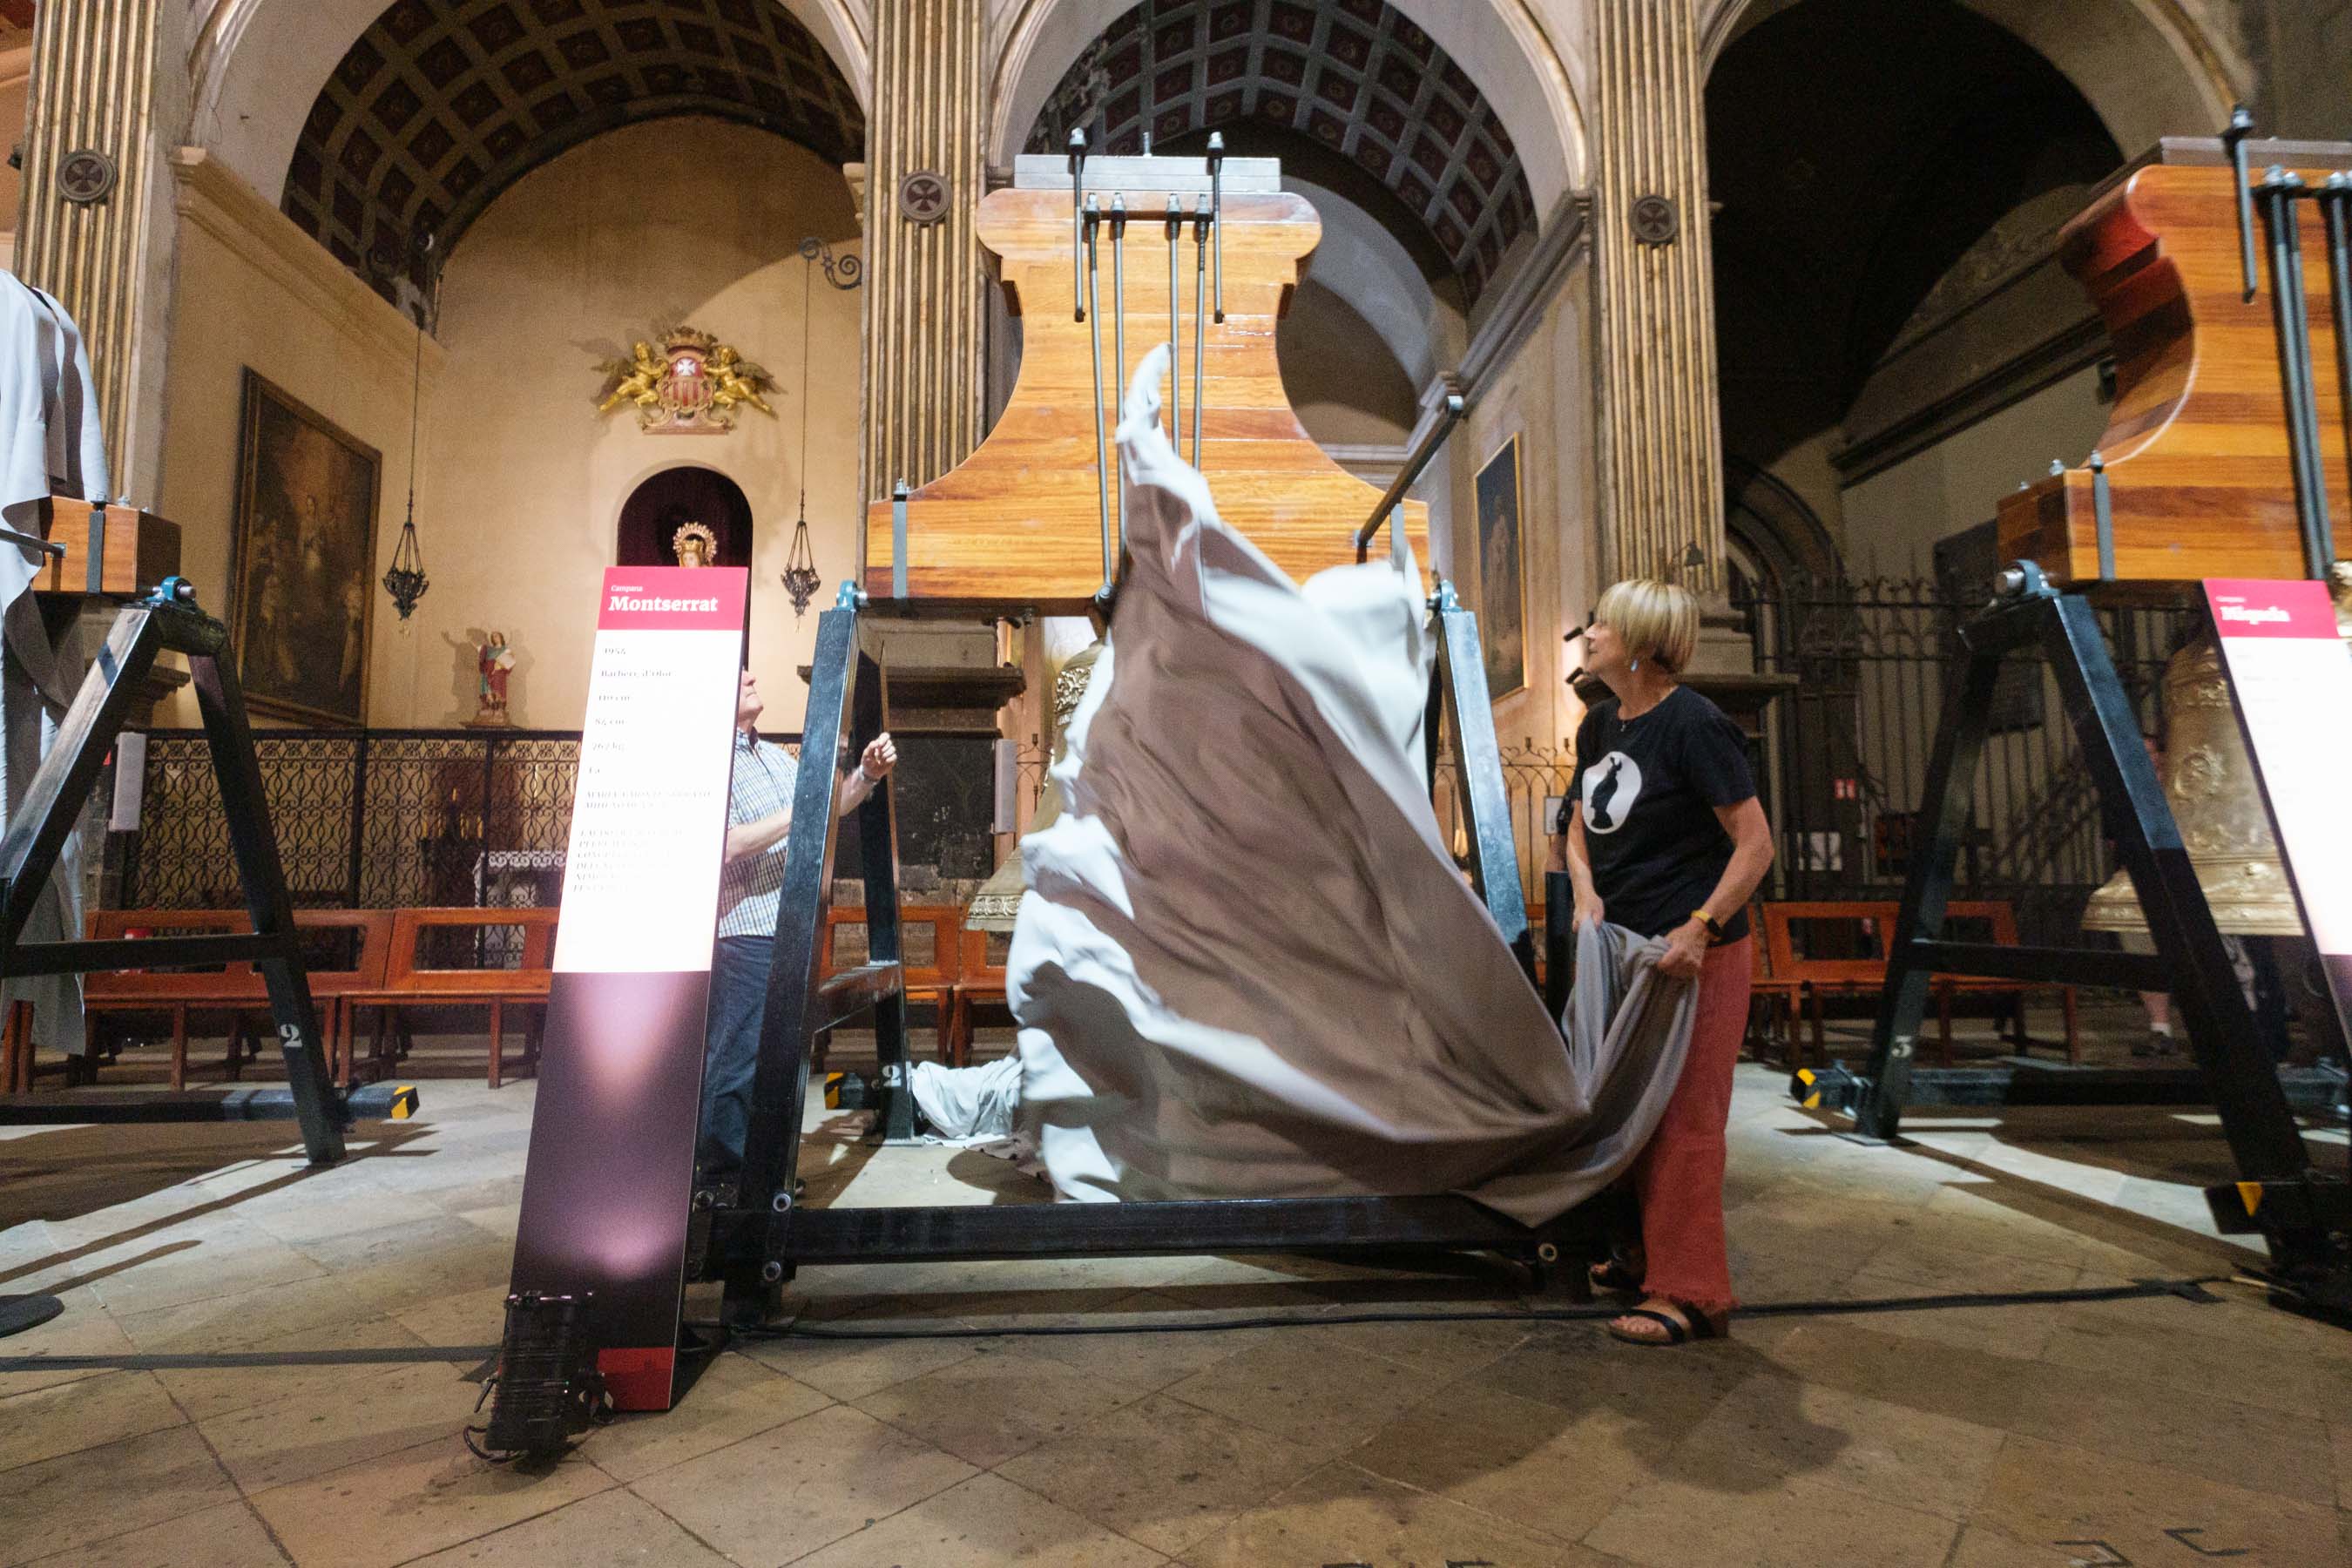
[1177, 248]
[2202, 432]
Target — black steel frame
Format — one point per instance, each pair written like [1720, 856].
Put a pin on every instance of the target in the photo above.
[169, 619]
[757, 1244]
[2302, 1213]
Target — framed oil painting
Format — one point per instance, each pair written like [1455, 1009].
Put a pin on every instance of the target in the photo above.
[302, 559]
[1502, 575]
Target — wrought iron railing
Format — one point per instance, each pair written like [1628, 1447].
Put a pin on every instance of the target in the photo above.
[1846, 750]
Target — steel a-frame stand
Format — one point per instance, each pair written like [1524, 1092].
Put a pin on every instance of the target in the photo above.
[758, 1243]
[169, 619]
[2304, 1216]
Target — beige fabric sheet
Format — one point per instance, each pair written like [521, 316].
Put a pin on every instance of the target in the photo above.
[1245, 965]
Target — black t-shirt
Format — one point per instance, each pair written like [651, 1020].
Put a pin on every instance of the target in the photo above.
[1647, 791]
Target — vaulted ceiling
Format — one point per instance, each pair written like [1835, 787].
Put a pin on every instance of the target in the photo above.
[442, 104]
[1353, 76]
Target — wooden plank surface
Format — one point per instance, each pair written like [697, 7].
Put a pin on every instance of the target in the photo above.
[141, 549]
[2196, 444]
[1018, 524]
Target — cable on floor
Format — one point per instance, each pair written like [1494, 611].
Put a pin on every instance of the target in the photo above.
[2185, 1289]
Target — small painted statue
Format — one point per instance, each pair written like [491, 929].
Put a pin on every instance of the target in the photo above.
[494, 661]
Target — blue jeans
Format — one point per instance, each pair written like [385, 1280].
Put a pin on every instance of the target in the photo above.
[738, 998]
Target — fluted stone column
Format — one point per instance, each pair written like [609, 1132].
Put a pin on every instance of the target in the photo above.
[924, 321]
[1660, 435]
[109, 78]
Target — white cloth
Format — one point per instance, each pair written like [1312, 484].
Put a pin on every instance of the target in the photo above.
[1245, 964]
[51, 443]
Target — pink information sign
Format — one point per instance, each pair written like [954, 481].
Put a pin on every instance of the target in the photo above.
[609, 1184]
[2293, 677]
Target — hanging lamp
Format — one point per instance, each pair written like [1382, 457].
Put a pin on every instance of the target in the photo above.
[405, 581]
[801, 579]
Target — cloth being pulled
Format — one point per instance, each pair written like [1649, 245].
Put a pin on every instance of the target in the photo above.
[1245, 964]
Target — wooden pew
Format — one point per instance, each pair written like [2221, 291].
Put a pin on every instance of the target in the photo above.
[237, 988]
[410, 982]
[1821, 977]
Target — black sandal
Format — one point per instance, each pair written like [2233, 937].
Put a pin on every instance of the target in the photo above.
[1693, 1325]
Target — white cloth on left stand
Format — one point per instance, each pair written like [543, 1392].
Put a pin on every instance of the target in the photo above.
[51, 443]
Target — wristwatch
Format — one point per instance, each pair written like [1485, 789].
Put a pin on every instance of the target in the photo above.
[1713, 926]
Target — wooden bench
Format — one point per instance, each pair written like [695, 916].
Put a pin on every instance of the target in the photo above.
[236, 989]
[977, 981]
[1773, 999]
[1866, 973]
[410, 980]
[929, 938]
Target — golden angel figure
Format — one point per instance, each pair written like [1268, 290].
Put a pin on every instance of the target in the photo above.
[639, 383]
[738, 381]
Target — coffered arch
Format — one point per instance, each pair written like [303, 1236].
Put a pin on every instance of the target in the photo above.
[1356, 77]
[442, 104]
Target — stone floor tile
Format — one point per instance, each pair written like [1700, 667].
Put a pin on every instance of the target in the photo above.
[852, 1369]
[1912, 1458]
[2155, 1423]
[206, 1393]
[612, 1529]
[1846, 1353]
[999, 1402]
[48, 1509]
[1741, 1517]
[414, 1502]
[1323, 1396]
[84, 1329]
[2018, 1333]
[1161, 1471]
[222, 1259]
[1448, 1349]
[229, 1535]
[362, 1412]
[1136, 1356]
[2171, 1346]
[778, 1495]
[1551, 1469]
[733, 1399]
[1341, 1514]
[985, 1522]
[475, 1317]
[241, 1320]
[89, 1413]
[1663, 1393]
[1931, 1267]
[2041, 1493]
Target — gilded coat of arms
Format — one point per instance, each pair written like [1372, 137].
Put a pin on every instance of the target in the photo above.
[692, 388]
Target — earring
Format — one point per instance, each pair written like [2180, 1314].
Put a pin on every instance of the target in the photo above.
[1633, 668]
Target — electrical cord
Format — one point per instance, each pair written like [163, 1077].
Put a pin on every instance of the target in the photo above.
[2185, 1289]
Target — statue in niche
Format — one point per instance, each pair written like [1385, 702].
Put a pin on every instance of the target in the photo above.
[494, 661]
[694, 544]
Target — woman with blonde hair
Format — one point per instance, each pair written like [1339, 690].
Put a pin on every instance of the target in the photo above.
[1664, 837]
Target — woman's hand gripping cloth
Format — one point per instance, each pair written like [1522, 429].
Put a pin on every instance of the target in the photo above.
[1245, 965]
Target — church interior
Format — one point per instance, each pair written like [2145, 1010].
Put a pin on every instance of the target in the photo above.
[1958, 368]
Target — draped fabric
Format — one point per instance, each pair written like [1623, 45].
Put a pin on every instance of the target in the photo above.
[50, 443]
[1245, 964]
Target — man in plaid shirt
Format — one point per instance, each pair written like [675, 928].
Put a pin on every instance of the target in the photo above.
[758, 818]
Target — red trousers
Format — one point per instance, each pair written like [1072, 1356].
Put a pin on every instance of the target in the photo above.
[1678, 1179]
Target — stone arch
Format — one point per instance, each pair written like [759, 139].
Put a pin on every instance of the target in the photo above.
[256, 66]
[1502, 48]
[2146, 67]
